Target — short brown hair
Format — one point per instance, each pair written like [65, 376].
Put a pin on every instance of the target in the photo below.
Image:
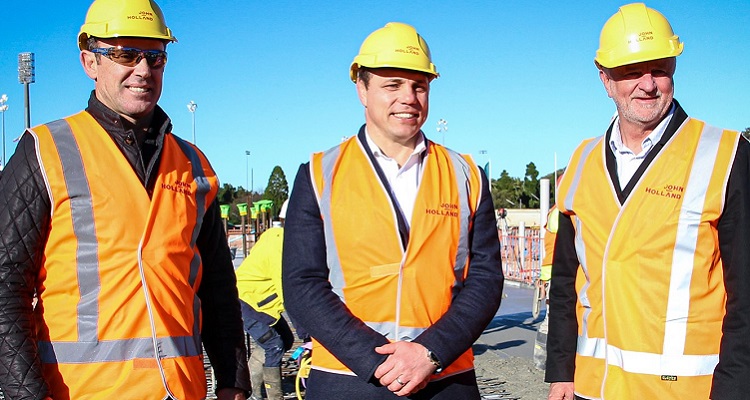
[364, 74]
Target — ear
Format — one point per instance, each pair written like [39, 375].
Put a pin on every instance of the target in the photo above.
[90, 66]
[362, 92]
[605, 81]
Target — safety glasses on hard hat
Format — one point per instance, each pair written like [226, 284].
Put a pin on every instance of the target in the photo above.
[130, 57]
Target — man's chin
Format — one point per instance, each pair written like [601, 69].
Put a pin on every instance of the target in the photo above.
[139, 113]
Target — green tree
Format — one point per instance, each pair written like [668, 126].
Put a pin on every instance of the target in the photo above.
[506, 191]
[227, 194]
[530, 196]
[277, 189]
[746, 133]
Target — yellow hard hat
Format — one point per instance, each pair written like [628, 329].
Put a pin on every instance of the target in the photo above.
[636, 34]
[396, 45]
[124, 18]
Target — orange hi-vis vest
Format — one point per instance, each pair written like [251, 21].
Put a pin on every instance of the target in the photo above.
[651, 297]
[399, 292]
[118, 315]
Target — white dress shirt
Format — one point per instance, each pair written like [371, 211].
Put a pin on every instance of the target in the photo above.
[404, 180]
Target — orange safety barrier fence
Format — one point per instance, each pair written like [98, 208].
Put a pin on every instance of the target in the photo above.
[521, 254]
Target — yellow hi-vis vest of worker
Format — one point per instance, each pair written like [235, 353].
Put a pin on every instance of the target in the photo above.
[118, 314]
[397, 292]
[259, 275]
[549, 242]
[650, 285]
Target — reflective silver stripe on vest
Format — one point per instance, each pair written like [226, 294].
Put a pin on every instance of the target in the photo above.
[579, 240]
[463, 185]
[568, 201]
[116, 350]
[648, 363]
[386, 329]
[583, 296]
[580, 246]
[82, 214]
[336, 275]
[658, 364]
[673, 360]
[203, 187]
[683, 256]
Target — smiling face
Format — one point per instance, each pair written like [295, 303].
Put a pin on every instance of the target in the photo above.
[396, 103]
[642, 92]
[131, 92]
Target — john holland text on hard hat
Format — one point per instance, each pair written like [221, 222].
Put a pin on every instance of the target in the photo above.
[636, 34]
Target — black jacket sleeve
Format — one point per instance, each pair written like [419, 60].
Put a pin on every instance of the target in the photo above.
[477, 302]
[222, 332]
[24, 226]
[731, 374]
[563, 325]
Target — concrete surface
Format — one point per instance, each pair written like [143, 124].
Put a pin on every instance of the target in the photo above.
[513, 330]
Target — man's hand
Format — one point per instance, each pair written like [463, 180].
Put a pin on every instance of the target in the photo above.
[561, 391]
[407, 369]
[230, 394]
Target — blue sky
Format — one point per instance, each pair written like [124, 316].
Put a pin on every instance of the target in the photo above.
[517, 77]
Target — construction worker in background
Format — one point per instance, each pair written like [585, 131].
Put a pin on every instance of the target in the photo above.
[651, 284]
[391, 258]
[262, 302]
[113, 221]
[549, 245]
[540, 347]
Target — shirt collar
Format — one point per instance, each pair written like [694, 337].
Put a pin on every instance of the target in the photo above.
[617, 146]
[419, 148]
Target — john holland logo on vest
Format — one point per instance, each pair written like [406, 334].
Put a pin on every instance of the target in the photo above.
[445, 210]
[670, 191]
[178, 187]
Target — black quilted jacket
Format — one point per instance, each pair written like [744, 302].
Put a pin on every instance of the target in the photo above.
[24, 226]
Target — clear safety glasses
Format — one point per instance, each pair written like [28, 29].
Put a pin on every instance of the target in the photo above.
[130, 57]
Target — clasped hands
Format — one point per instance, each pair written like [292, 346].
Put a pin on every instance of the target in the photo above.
[407, 369]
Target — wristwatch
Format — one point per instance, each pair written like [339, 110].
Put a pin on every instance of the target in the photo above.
[434, 360]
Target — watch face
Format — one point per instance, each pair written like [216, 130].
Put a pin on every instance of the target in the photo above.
[434, 361]
[433, 358]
